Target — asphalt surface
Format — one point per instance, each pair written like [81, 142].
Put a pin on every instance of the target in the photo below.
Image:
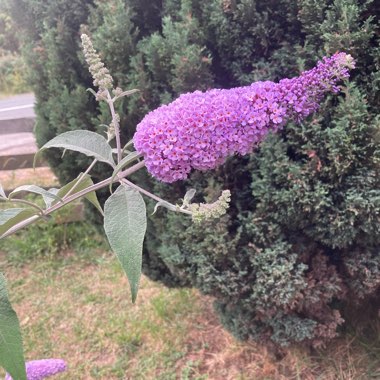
[17, 107]
[16, 125]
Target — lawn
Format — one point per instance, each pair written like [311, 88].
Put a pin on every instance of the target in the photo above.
[73, 303]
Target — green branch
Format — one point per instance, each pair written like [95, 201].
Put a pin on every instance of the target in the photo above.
[73, 197]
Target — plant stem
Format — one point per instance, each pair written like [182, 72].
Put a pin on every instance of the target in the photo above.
[116, 126]
[31, 204]
[155, 197]
[73, 197]
[80, 179]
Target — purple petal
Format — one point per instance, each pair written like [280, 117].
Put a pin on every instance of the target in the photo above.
[200, 130]
[40, 369]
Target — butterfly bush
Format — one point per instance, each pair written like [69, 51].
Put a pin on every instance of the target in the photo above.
[41, 369]
[200, 130]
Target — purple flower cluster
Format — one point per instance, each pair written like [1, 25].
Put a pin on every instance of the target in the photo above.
[40, 369]
[200, 130]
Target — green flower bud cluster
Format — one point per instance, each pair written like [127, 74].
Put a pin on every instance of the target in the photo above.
[101, 75]
[206, 211]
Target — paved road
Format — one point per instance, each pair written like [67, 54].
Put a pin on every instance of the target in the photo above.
[17, 107]
[16, 126]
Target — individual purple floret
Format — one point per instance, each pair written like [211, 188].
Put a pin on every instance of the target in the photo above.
[40, 369]
[200, 130]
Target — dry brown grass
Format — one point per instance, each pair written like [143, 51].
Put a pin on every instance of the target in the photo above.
[79, 309]
[43, 177]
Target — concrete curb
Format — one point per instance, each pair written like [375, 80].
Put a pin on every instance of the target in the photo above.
[9, 126]
[20, 161]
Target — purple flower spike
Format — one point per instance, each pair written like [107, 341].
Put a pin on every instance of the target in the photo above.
[200, 130]
[40, 369]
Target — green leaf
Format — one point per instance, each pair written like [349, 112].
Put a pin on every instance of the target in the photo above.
[122, 164]
[2, 192]
[128, 145]
[126, 150]
[165, 204]
[49, 200]
[127, 93]
[36, 190]
[188, 197]
[85, 182]
[89, 143]
[12, 216]
[125, 226]
[92, 91]
[11, 351]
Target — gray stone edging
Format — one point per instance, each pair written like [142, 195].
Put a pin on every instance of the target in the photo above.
[17, 125]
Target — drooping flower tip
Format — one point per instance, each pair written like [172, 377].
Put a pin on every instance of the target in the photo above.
[41, 369]
[200, 130]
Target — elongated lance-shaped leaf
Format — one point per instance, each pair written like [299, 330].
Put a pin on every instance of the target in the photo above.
[35, 190]
[165, 204]
[125, 149]
[49, 200]
[92, 91]
[89, 143]
[12, 216]
[2, 192]
[188, 197]
[84, 183]
[125, 226]
[127, 93]
[122, 164]
[127, 145]
[11, 351]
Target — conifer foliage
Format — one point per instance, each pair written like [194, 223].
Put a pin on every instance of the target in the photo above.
[302, 237]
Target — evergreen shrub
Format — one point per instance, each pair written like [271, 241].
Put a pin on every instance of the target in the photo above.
[302, 237]
[12, 66]
[12, 74]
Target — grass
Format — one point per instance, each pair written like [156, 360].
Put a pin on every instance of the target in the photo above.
[76, 306]
[41, 176]
[13, 78]
[73, 302]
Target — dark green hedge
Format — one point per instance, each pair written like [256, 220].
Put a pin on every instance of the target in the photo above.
[302, 237]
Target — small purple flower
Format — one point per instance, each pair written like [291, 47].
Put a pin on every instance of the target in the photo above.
[200, 130]
[40, 369]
